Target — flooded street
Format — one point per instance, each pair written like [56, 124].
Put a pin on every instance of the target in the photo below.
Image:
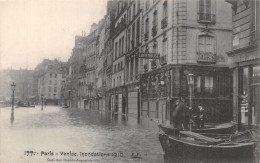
[56, 134]
[57, 131]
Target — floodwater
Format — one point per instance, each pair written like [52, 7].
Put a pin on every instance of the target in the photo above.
[54, 134]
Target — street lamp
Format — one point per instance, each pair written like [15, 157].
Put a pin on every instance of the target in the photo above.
[42, 100]
[190, 78]
[13, 89]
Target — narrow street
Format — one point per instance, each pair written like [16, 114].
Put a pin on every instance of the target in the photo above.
[65, 130]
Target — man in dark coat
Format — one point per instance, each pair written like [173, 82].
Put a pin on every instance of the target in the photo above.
[179, 115]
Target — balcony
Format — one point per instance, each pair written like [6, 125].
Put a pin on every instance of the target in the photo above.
[163, 60]
[153, 64]
[146, 67]
[164, 22]
[154, 30]
[120, 26]
[206, 57]
[146, 36]
[207, 18]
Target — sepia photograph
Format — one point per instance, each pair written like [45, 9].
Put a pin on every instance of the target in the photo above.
[125, 81]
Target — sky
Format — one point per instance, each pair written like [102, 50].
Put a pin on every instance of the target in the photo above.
[33, 30]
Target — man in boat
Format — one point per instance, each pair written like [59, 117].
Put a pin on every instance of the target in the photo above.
[179, 115]
[202, 116]
[195, 116]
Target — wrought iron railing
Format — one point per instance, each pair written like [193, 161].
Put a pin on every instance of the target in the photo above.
[164, 22]
[163, 60]
[146, 67]
[146, 36]
[154, 30]
[153, 64]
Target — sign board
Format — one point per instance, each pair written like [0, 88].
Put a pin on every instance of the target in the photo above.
[149, 55]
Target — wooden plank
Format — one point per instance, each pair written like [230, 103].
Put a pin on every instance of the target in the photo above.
[199, 136]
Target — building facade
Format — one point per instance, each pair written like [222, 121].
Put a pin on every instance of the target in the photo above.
[188, 36]
[245, 60]
[50, 77]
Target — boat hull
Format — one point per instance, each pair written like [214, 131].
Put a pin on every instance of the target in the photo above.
[227, 128]
[174, 146]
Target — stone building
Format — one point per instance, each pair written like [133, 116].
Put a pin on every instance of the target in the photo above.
[50, 77]
[118, 58]
[191, 38]
[245, 58]
[131, 96]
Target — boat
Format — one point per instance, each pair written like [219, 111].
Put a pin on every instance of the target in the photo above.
[194, 146]
[225, 128]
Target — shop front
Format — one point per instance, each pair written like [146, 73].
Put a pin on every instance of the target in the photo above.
[211, 88]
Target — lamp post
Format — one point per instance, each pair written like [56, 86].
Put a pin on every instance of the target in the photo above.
[13, 85]
[190, 78]
[42, 100]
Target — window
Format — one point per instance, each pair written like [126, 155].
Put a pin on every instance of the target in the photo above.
[55, 89]
[128, 39]
[147, 4]
[165, 9]
[119, 51]
[49, 89]
[203, 84]
[55, 82]
[133, 10]
[209, 84]
[50, 75]
[164, 21]
[147, 25]
[146, 34]
[155, 18]
[118, 66]
[198, 84]
[206, 44]
[50, 82]
[116, 51]
[137, 31]
[123, 44]
[114, 84]
[164, 48]
[133, 36]
[207, 11]
[55, 75]
[114, 68]
[155, 22]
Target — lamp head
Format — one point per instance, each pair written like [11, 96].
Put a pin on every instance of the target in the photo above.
[13, 85]
[190, 78]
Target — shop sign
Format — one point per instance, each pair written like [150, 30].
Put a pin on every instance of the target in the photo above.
[206, 57]
[149, 55]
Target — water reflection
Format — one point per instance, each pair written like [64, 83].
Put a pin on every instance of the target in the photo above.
[12, 117]
[64, 130]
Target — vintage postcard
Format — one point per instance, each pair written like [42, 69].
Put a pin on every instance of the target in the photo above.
[149, 81]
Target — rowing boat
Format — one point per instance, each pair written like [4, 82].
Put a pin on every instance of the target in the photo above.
[187, 144]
